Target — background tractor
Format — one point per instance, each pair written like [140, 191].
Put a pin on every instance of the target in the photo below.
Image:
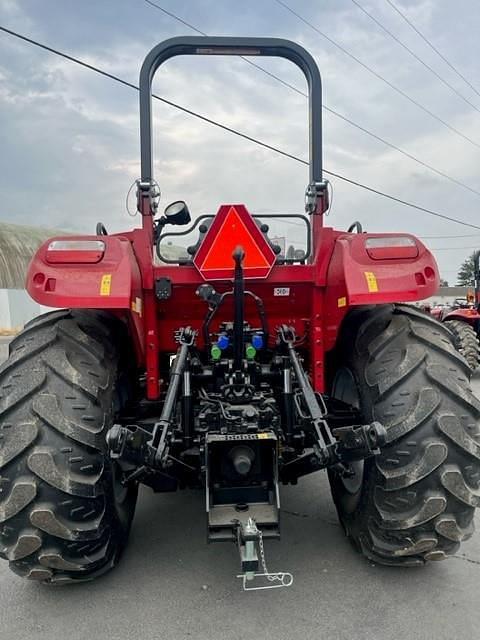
[463, 320]
[233, 369]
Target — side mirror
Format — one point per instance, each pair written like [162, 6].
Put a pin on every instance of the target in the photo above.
[177, 213]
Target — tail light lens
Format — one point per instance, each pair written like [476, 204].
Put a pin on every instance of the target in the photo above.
[75, 251]
[391, 247]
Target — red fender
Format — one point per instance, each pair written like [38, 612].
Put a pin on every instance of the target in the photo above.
[465, 315]
[113, 282]
[358, 276]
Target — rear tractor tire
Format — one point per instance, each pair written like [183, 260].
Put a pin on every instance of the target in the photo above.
[466, 341]
[415, 501]
[64, 514]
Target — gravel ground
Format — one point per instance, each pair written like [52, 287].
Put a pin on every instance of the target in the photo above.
[171, 585]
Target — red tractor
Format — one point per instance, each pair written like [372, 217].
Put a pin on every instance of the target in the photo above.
[233, 370]
[463, 320]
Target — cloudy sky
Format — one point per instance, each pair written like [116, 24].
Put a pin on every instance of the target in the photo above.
[69, 138]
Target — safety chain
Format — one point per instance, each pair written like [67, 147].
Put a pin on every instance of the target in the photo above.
[271, 577]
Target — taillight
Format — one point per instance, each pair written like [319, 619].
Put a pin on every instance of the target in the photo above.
[391, 247]
[75, 251]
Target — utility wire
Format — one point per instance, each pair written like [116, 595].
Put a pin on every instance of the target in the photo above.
[377, 75]
[452, 248]
[325, 107]
[244, 58]
[448, 237]
[245, 136]
[412, 53]
[433, 47]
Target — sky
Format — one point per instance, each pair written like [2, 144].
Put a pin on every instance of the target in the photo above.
[69, 138]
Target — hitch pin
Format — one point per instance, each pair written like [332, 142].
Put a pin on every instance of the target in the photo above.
[251, 533]
[282, 579]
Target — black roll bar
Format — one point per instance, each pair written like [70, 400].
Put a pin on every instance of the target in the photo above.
[200, 45]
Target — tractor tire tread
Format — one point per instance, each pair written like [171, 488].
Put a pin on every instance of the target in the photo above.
[418, 495]
[57, 517]
[466, 341]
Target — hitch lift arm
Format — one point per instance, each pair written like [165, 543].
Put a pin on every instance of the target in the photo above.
[135, 445]
[331, 448]
[161, 431]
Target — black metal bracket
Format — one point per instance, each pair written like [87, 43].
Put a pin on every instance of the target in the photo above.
[360, 441]
[163, 288]
[248, 536]
[130, 445]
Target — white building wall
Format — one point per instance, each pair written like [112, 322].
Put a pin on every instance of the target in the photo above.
[4, 310]
[17, 308]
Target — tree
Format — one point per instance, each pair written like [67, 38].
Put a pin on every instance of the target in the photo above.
[465, 275]
[443, 283]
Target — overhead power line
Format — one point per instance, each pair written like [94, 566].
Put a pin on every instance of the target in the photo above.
[377, 75]
[469, 235]
[433, 47]
[452, 248]
[234, 131]
[414, 55]
[325, 107]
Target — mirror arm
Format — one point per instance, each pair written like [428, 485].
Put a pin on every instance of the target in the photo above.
[158, 228]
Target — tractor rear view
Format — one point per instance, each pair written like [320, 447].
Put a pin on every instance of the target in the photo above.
[233, 370]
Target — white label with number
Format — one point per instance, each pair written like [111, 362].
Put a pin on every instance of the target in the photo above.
[281, 291]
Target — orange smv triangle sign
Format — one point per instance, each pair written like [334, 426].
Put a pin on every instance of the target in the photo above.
[232, 227]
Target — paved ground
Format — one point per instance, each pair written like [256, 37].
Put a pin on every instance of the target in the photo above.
[171, 585]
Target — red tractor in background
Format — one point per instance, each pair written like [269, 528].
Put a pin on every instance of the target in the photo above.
[233, 370]
[463, 320]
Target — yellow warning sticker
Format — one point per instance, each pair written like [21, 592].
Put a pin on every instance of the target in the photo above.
[342, 302]
[106, 284]
[371, 281]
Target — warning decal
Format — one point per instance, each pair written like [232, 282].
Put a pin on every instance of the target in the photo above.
[371, 281]
[106, 284]
[232, 227]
